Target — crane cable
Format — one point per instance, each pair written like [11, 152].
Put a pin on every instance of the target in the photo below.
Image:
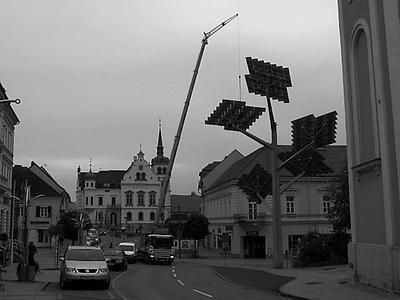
[239, 67]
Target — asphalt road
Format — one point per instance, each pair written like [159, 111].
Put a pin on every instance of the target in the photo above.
[159, 282]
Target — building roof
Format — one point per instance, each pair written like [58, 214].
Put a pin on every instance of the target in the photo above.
[112, 178]
[185, 203]
[22, 175]
[335, 156]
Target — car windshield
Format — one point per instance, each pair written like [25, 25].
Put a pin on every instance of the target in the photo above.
[84, 254]
[126, 248]
[113, 253]
[161, 242]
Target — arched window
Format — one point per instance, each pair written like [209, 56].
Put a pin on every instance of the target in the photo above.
[137, 176]
[143, 176]
[365, 104]
[140, 216]
[164, 170]
[159, 170]
[152, 216]
[129, 216]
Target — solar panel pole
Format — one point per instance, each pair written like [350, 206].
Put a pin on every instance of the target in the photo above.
[276, 204]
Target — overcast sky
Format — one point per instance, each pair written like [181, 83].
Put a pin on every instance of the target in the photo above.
[96, 76]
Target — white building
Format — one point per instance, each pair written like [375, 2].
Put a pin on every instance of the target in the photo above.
[370, 44]
[248, 225]
[126, 198]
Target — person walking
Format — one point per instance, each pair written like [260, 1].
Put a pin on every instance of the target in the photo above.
[31, 256]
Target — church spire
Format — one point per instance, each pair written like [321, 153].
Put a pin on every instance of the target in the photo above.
[160, 147]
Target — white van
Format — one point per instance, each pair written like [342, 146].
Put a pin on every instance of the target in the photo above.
[129, 250]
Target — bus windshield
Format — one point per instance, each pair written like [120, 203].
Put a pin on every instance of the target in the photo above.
[160, 241]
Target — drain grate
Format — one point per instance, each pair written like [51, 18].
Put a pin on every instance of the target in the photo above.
[314, 282]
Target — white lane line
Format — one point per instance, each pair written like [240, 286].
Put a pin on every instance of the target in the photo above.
[204, 294]
[180, 282]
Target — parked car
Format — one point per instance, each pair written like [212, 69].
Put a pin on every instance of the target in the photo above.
[129, 250]
[83, 264]
[116, 260]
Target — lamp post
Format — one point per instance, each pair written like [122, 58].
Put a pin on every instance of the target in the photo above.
[16, 101]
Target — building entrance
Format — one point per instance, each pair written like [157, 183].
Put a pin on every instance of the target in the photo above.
[254, 246]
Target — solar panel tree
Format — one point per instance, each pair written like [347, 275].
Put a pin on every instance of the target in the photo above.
[271, 81]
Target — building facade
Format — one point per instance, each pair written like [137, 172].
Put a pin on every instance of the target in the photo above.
[47, 200]
[370, 44]
[8, 121]
[125, 198]
[245, 227]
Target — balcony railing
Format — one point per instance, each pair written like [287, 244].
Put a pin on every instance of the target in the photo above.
[115, 206]
[242, 218]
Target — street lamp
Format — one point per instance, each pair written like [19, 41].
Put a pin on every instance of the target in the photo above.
[16, 101]
[80, 223]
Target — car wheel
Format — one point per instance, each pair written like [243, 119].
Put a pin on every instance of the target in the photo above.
[106, 285]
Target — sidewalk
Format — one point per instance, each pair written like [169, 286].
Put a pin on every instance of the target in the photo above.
[310, 283]
[14, 289]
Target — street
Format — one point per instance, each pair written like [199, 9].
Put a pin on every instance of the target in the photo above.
[179, 281]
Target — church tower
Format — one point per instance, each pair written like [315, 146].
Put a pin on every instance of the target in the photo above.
[159, 164]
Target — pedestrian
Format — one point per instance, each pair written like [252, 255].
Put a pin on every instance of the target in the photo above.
[31, 256]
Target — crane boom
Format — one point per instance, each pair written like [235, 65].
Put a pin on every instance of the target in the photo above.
[214, 30]
[165, 183]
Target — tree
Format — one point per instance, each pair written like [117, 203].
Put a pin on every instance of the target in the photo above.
[196, 228]
[338, 193]
[339, 214]
[69, 224]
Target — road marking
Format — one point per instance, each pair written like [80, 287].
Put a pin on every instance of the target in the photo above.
[180, 281]
[174, 275]
[204, 294]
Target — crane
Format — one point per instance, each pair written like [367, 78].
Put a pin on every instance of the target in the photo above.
[167, 177]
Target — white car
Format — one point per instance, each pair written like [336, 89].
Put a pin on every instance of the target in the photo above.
[129, 250]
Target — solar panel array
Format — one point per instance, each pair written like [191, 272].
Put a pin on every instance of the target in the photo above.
[269, 80]
[234, 115]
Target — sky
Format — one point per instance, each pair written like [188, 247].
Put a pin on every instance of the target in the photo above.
[95, 77]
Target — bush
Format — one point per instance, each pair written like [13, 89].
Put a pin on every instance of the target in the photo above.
[321, 250]
[3, 237]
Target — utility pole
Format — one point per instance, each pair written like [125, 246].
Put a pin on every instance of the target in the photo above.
[165, 183]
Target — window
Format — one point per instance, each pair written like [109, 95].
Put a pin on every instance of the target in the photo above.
[137, 176]
[43, 211]
[21, 211]
[113, 200]
[164, 170]
[91, 184]
[128, 199]
[100, 201]
[140, 216]
[152, 216]
[158, 170]
[140, 198]
[326, 204]
[252, 210]
[129, 216]
[144, 176]
[91, 200]
[87, 200]
[152, 198]
[290, 204]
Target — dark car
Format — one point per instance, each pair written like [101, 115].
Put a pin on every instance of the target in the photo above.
[116, 260]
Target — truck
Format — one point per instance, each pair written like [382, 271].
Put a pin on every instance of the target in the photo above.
[157, 248]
